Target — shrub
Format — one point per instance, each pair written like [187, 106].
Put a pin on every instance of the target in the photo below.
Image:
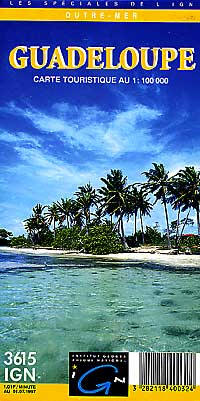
[195, 250]
[132, 241]
[68, 238]
[101, 240]
[153, 236]
[21, 241]
[47, 238]
[190, 241]
[5, 237]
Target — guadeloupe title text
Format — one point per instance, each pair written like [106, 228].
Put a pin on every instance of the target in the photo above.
[107, 58]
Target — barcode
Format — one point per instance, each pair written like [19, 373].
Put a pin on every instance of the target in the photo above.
[167, 368]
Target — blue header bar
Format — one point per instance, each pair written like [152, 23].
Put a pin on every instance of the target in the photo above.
[121, 4]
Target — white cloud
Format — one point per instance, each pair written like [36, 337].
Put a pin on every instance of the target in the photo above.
[19, 137]
[104, 132]
[41, 178]
[178, 160]
[49, 167]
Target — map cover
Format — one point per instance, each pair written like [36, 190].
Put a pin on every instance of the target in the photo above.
[99, 200]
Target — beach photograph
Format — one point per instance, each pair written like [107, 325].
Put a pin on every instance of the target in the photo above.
[99, 200]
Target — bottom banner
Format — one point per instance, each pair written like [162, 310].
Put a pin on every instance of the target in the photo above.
[60, 392]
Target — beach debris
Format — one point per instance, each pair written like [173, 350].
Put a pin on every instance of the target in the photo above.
[188, 251]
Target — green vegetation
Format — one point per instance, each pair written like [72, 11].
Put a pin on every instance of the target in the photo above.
[98, 239]
[20, 242]
[102, 240]
[68, 239]
[5, 237]
[151, 236]
[190, 244]
[93, 219]
[158, 184]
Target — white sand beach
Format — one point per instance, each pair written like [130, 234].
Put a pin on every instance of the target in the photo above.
[146, 254]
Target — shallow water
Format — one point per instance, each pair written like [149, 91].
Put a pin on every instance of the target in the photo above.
[55, 305]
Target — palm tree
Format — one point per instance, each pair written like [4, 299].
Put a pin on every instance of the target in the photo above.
[190, 196]
[176, 191]
[65, 209]
[145, 207]
[86, 199]
[77, 216]
[38, 210]
[98, 216]
[36, 223]
[30, 227]
[131, 206]
[114, 197]
[135, 200]
[52, 216]
[158, 183]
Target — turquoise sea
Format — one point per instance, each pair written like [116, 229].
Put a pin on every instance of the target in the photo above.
[54, 305]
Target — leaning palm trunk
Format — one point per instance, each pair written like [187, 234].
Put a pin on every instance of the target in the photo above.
[122, 233]
[116, 225]
[135, 225]
[120, 228]
[167, 222]
[185, 222]
[33, 237]
[142, 227]
[177, 226]
[54, 227]
[38, 237]
[86, 225]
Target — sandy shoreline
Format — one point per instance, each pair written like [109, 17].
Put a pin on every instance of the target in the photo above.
[142, 255]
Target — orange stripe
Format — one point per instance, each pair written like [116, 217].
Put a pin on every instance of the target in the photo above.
[59, 392]
[100, 15]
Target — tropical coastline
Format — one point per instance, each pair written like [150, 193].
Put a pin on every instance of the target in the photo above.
[93, 220]
[148, 254]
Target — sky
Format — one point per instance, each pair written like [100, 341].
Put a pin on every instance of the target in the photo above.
[55, 137]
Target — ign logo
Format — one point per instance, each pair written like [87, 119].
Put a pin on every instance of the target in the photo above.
[98, 374]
